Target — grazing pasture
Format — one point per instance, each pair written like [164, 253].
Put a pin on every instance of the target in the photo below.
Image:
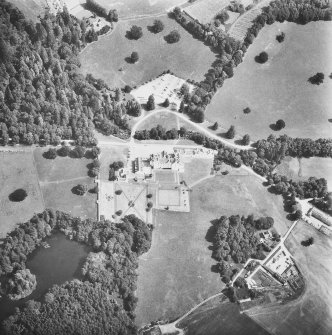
[205, 11]
[176, 273]
[303, 168]
[58, 176]
[133, 8]
[17, 170]
[279, 89]
[311, 313]
[108, 58]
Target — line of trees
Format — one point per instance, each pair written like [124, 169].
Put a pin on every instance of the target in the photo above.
[104, 301]
[93, 6]
[43, 97]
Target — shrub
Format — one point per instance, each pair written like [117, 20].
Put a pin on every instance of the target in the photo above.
[317, 79]
[247, 110]
[262, 58]
[18, 195]
[134, 57]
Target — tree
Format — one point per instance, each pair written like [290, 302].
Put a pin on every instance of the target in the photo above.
[80, 189]
[246, 139]
[78, 152]
[215, 126]
[150, 105]
[184, 89]
[317, 79]
[18, 195]
[231, 132]
[262, 57]
[51, 153]
[298, 214]
[134, 57]
[247, 110]
[166, 103]
[280, 124]
[181, 107]
[173, 37]
[308, 242]
[280, 38]
[5, 52]
[127, 89]
[158, 26]
[149, 196]
[113, 15]
[64, 151]
[135, 32]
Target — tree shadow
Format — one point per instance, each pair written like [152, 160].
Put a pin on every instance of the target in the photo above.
[274, 127]
[238, 142]
[211, 231]
[330, 120]
[129, 60]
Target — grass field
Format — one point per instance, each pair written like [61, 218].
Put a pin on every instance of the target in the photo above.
[281, 89]
[311, 314]
[109, 155]
[17, 170]
[133, 8]
[196, 169]
[225, 318]
[57, 178]
[166, 120]
[188, 58]
[303, 168]
[176, 273]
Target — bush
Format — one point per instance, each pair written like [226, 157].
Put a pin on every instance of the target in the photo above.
[149, 204]
[118, 192]
[18, 195]
[149, 196]
[262, 58]
[119, 212]
[173, 37]
[135, 32]
[280, 38]
[134, 57]
[317, 79]
[247, 110]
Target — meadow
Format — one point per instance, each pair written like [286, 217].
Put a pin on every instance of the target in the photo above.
[188, 59]
[303, 168]
[57, 178]
[176, 273]
[279, 89]
[311, 313]
[166, 120]
[17, 170]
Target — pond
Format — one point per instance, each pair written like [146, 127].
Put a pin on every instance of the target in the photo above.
[55, 265]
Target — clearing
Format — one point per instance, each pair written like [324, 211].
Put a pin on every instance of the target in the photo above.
[303, 168]
[17, 170]
[165, 119]
[312, 312]
[176, 273]
[281, 89]
[106, 59]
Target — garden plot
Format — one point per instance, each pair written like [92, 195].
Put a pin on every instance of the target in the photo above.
[165, 87]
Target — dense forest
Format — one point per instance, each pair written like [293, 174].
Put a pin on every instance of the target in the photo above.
[43, 97]
[104, 302]
[230, 51]
[234, 240]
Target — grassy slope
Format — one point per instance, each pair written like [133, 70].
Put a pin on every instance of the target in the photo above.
[312, 312]
[189, 58]
[166, 120]
[17, 171]
[176, 273]
[279, 88]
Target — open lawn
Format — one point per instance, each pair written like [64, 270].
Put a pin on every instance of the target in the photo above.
[196, 169]
[59, 168]
[188, 59]
[58, 195]
[17, 170]
[109, 155]
[166, 120]
[279, 89]
[134, 8]
[58, 176]
[303, 168]
[176, 273]
[311, 314]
